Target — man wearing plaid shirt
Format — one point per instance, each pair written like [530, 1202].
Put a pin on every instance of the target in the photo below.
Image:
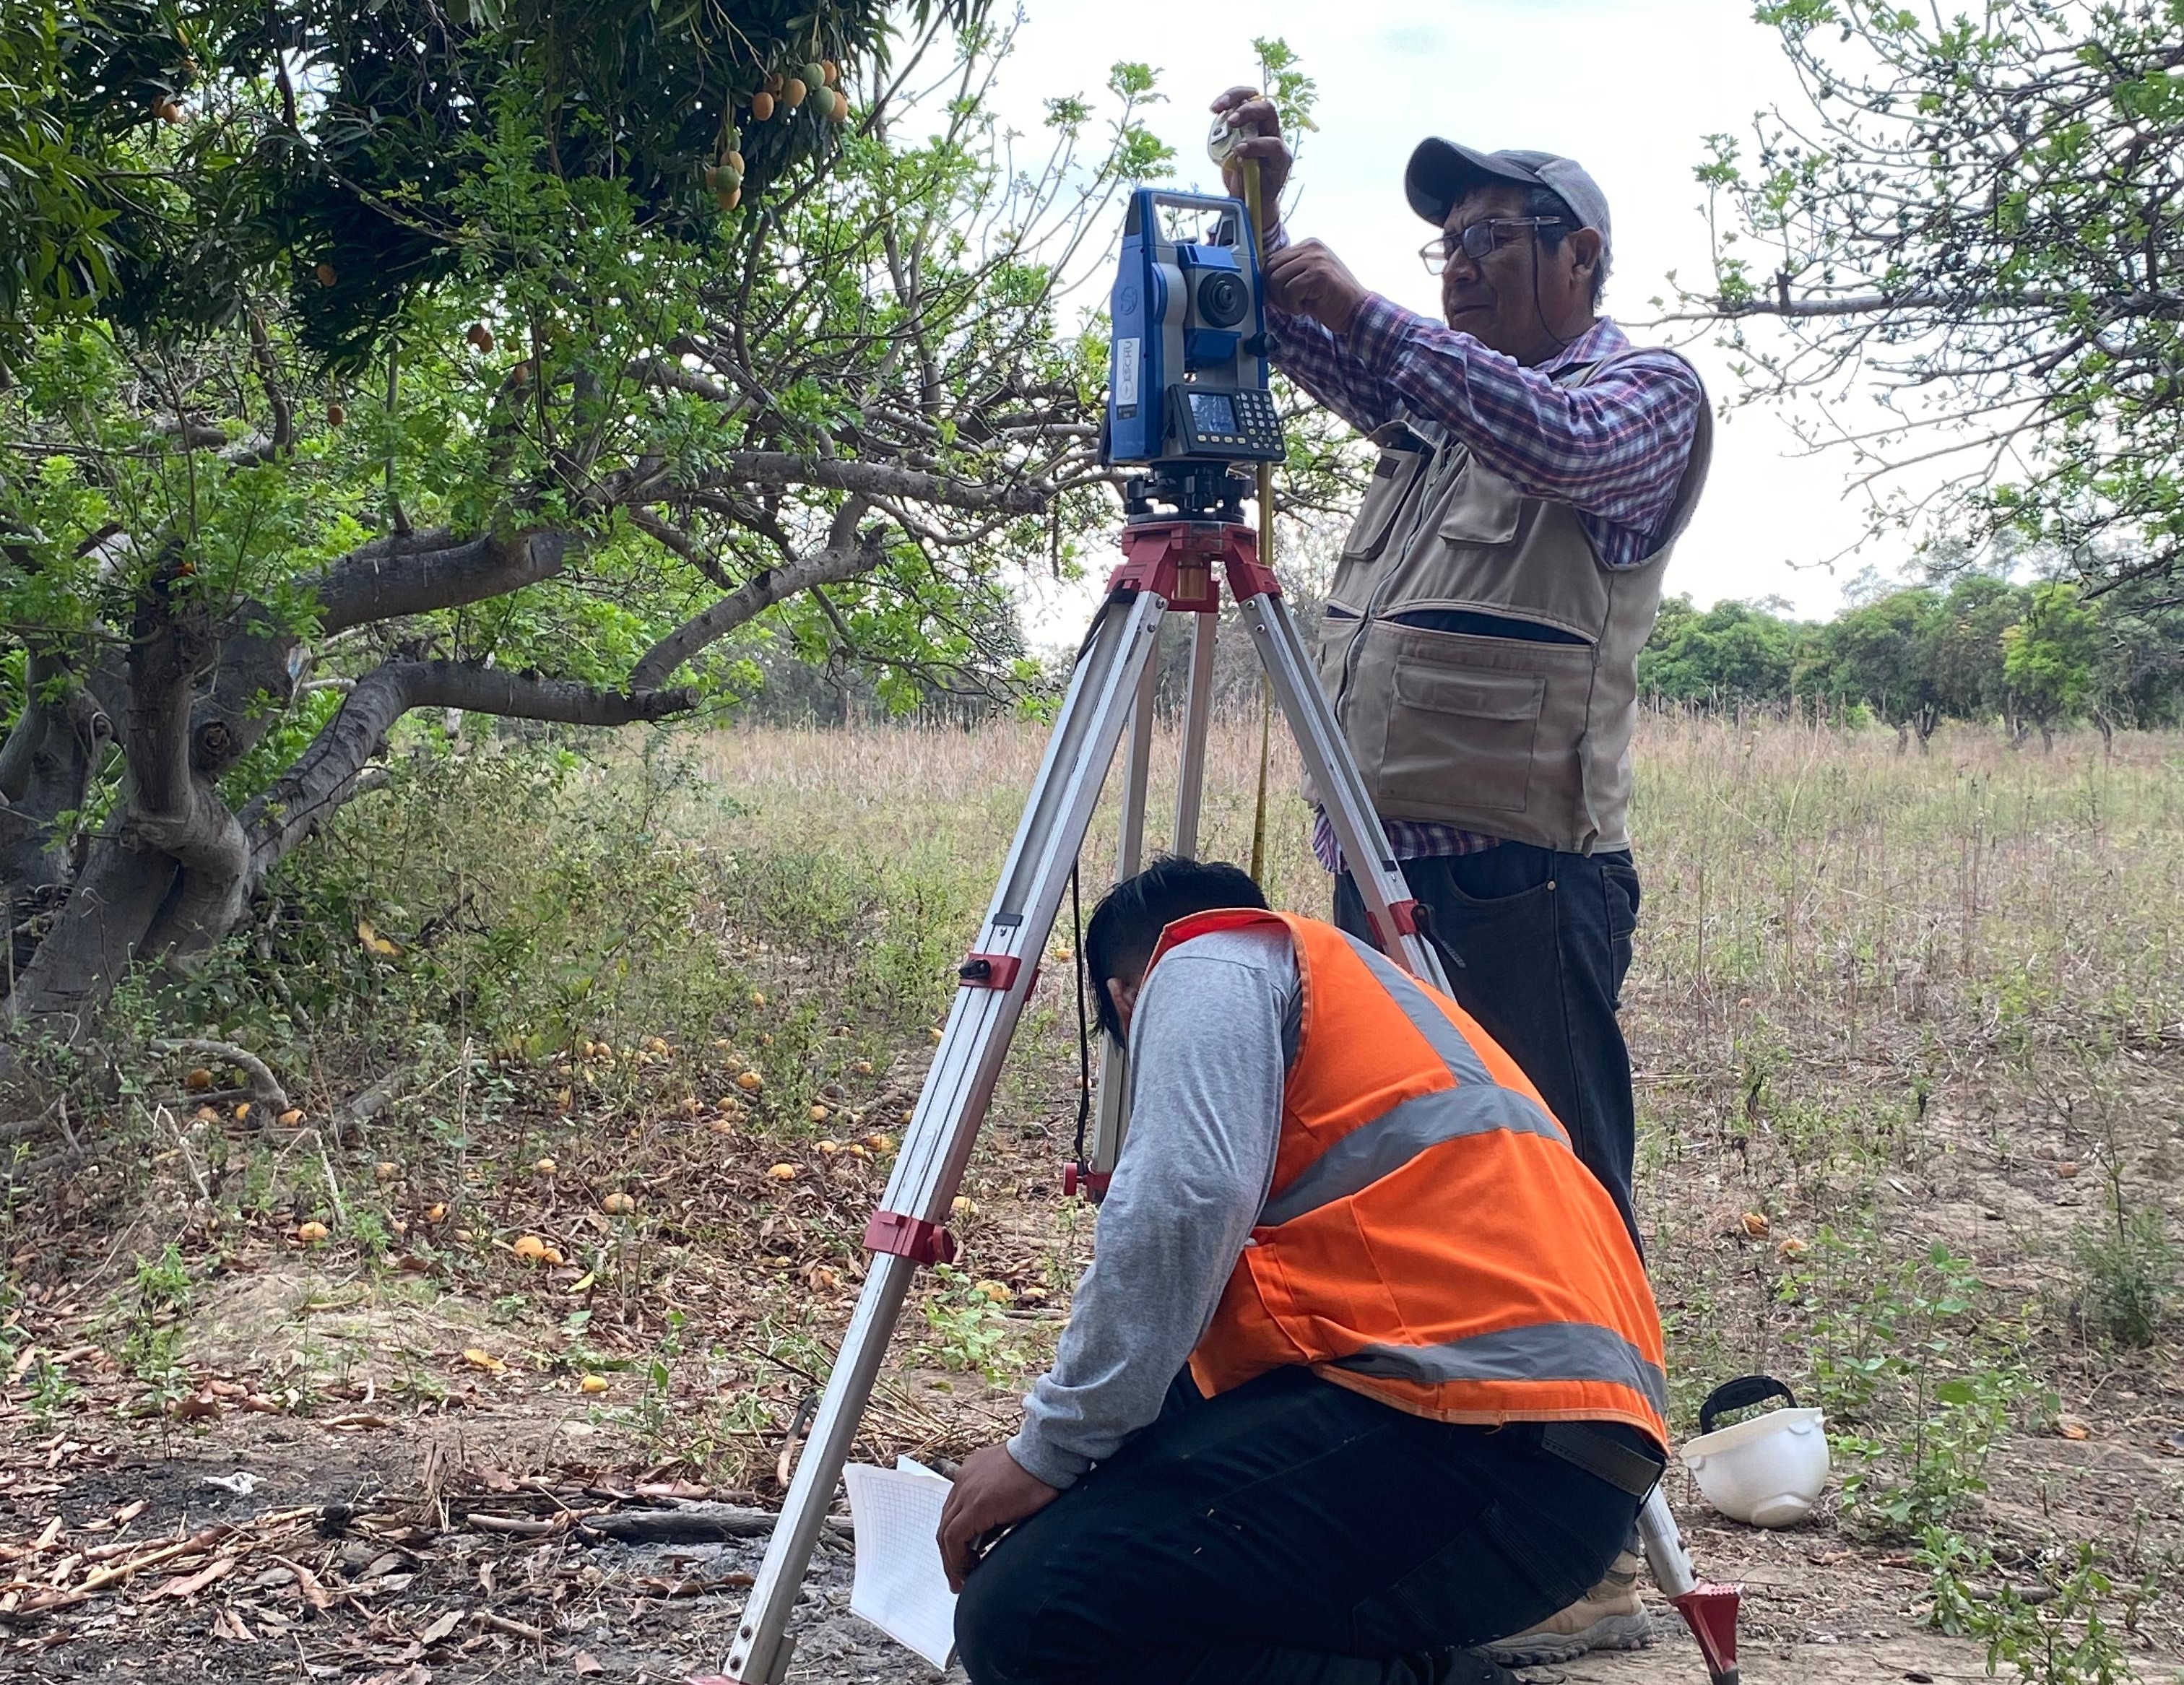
[1582, 435]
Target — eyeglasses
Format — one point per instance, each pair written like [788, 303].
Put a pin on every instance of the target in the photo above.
[1478, 240]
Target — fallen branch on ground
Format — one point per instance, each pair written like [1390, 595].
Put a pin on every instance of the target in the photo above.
[265, 1087]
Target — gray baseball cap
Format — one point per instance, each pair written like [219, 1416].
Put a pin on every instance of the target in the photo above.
[1441, 172]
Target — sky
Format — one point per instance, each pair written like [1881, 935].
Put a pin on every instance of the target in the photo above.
[1630, 90]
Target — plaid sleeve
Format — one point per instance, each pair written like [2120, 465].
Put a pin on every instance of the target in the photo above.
[1615, 448]
[1317, 360]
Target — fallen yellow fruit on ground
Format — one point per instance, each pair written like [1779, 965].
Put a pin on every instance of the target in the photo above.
[546, 1167]
[1755, 1224]
[593, 1383]
[531, 1249]
[961, 1207]
[618, 1204]
[782, 1173]
[819, 1114]
[310, 1234]
[291, 1116]
[477, 1357]
[750, 1082]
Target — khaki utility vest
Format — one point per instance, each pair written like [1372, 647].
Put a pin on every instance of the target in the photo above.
[1526, 741]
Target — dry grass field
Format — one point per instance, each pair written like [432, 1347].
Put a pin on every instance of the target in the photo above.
[1910, 1032]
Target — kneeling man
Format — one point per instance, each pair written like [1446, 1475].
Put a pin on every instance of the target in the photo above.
[1424, 1392]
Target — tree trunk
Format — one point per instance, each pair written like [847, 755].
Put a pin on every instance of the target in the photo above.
[170, 875]
[46, 766]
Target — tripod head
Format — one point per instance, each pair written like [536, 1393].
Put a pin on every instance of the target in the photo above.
[1184, 491]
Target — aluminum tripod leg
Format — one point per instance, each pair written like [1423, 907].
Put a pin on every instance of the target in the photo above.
[1709, 1611]
[1335, 776]
[966, 1064]
[1197, 714]
[1109, 1118]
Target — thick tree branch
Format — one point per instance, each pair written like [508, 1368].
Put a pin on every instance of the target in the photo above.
[759, 593]
[415, 573]
[324, 775]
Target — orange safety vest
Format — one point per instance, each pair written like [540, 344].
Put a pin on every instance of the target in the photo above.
[1429, 1239]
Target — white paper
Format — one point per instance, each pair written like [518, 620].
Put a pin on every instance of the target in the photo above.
[900, 1586]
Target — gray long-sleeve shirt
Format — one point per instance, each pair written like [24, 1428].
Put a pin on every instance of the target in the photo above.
[1206, 1071]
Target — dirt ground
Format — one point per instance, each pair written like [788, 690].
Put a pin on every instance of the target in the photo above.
[348, 1560]
[1885, 1093]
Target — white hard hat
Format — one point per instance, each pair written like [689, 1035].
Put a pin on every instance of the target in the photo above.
[1767, 1469]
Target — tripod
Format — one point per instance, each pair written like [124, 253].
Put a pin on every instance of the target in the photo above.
[1173, 563]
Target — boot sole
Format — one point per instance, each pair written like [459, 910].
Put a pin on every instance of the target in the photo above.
[1610, 1632]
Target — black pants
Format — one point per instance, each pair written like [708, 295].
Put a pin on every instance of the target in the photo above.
[1545, 938]
[1291, 1532]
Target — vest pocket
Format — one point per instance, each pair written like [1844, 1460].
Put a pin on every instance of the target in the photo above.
[1394, 478]
[1482, 507]
[1446, 725]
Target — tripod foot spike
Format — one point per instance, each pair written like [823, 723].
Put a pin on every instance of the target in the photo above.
[1710, 1611]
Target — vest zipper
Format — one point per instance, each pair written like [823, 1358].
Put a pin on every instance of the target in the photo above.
[1355, 650]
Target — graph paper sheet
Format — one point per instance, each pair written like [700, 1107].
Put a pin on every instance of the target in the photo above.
[899, 1586]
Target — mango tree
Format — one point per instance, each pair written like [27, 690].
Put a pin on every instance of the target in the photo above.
[378, 355]
[1977, 216]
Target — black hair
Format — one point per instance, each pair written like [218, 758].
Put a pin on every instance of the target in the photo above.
[1546, 202]
[1125, 927]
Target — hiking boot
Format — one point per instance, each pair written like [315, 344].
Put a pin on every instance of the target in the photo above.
[1608, 1617]
[1466, 1667]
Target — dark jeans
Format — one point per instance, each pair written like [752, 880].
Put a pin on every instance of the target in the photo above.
[1545, 938]
[1291, 1532]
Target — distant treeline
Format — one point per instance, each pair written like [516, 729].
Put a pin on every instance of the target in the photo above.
[2033, 657]
[2027, 657]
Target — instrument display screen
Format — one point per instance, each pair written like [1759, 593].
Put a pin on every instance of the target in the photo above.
[1212, 412]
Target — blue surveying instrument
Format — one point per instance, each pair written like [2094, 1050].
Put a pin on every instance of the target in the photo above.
[1189, 375]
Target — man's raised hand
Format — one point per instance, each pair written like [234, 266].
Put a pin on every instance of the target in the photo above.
[1251, 114]
[1308, 280]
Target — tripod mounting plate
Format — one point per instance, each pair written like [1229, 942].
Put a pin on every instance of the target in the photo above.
[1175, 559]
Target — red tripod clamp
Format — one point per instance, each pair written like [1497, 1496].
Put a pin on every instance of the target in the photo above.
[1176, 559]
[910, 1237]
[1078, 1179]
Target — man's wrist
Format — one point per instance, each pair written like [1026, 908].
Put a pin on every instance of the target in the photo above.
[1043, 1462]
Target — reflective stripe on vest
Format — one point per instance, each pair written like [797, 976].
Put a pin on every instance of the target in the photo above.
[1545, 1350]
[1398, 1136]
